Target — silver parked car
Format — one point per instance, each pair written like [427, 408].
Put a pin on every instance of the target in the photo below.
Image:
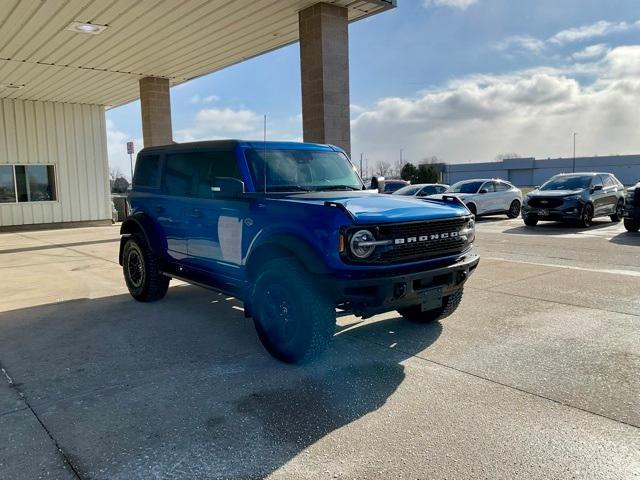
[422, 189]
[488, 196]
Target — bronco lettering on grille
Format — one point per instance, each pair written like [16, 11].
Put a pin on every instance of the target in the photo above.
[426, 238]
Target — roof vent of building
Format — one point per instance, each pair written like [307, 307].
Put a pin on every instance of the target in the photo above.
[86, 27]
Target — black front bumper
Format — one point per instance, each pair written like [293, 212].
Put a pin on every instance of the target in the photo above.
[370, 296]
[568, 212]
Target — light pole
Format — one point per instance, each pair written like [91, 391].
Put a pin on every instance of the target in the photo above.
[361, 172]
[574, 152]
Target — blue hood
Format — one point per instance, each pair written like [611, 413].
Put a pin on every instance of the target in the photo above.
[369, 208]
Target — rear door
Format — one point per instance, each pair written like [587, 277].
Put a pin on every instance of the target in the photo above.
[177, 183]
[503, 196]
[611, 193]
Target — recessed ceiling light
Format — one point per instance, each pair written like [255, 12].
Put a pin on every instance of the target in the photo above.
[11, 85]
[86, 27]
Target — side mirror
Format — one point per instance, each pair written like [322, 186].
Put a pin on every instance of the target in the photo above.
[377, 183]
[537, 187]
[228, 187]
[595, 188]
[483, 190]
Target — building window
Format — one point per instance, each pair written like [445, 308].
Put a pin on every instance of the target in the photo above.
[7, 184]
[27, 183]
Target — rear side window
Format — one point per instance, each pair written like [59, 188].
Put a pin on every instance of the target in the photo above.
[609, 181]
[501, 187]
[193, 174]
[147, 171]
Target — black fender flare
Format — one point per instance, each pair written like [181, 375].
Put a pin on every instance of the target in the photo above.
[290, 245]
[144, 225]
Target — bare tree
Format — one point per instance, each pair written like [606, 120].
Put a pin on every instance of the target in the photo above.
[382, 169]
[115, 172]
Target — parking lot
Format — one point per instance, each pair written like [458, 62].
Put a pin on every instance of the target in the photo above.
[535, 376]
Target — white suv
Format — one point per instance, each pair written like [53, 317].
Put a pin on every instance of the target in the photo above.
[488, 196]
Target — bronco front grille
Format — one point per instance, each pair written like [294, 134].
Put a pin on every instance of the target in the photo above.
[438, 242]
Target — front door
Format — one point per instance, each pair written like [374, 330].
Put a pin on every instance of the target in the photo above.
[215, 224]
[599, 196]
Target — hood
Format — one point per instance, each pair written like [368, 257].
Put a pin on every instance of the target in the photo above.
[554, 193]
[369, 208]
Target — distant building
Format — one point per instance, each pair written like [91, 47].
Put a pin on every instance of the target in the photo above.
[525, 172]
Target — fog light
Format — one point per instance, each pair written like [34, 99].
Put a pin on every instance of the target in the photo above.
[399, 290]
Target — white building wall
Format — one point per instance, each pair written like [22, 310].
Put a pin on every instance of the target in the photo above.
[72, 137]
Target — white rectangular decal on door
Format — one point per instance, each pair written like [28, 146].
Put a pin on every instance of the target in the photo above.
[230, 236]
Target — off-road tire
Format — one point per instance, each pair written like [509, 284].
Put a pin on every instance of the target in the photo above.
[449, 305]
[309, 312]
[152, 285]
[530, 222]
[631, 226]
[619, 215]
[514, 209]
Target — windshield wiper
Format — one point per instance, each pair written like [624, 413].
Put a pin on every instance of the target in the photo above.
[338, 187]
[288, 188]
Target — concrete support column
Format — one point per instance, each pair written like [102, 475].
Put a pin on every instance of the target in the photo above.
[156, 111]
[324, 65]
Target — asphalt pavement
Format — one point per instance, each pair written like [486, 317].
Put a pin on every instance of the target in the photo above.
[535, 376]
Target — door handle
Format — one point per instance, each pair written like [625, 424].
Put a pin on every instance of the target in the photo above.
[195, 213]
[159, 209]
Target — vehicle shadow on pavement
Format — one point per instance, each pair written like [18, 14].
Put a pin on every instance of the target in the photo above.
[556, 228]
[627, 238]
[182, 388]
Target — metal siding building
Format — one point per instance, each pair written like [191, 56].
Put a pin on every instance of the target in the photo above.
[527, 172]
[71, 138]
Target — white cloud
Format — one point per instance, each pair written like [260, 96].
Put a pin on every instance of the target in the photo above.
[592, 51]
[461, 4]
[530, 112]
[197, 98]
[597, 29]
[521, 42]
[601, 28]
[215, 123]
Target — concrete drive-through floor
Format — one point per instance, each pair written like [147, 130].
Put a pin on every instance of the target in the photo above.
[536, 376]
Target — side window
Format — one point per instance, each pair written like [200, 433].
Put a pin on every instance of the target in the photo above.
[596, 180]
[501, 187]
[180, 174]
[215, 165]
[35, 183]
[489, 187]
[193, 174]
[440, 189]
[430, 190]
[7, 184]
[147, 172]
[609, 182]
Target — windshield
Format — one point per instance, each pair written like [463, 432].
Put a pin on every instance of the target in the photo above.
[408, 190]
[465, 187]
[301, 170]
[568, 182]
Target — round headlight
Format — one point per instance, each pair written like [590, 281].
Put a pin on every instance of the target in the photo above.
[356, 244]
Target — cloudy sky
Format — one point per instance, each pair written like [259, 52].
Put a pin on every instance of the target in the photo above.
[464, 80]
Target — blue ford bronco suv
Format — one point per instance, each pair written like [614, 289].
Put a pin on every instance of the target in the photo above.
[289, 229]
